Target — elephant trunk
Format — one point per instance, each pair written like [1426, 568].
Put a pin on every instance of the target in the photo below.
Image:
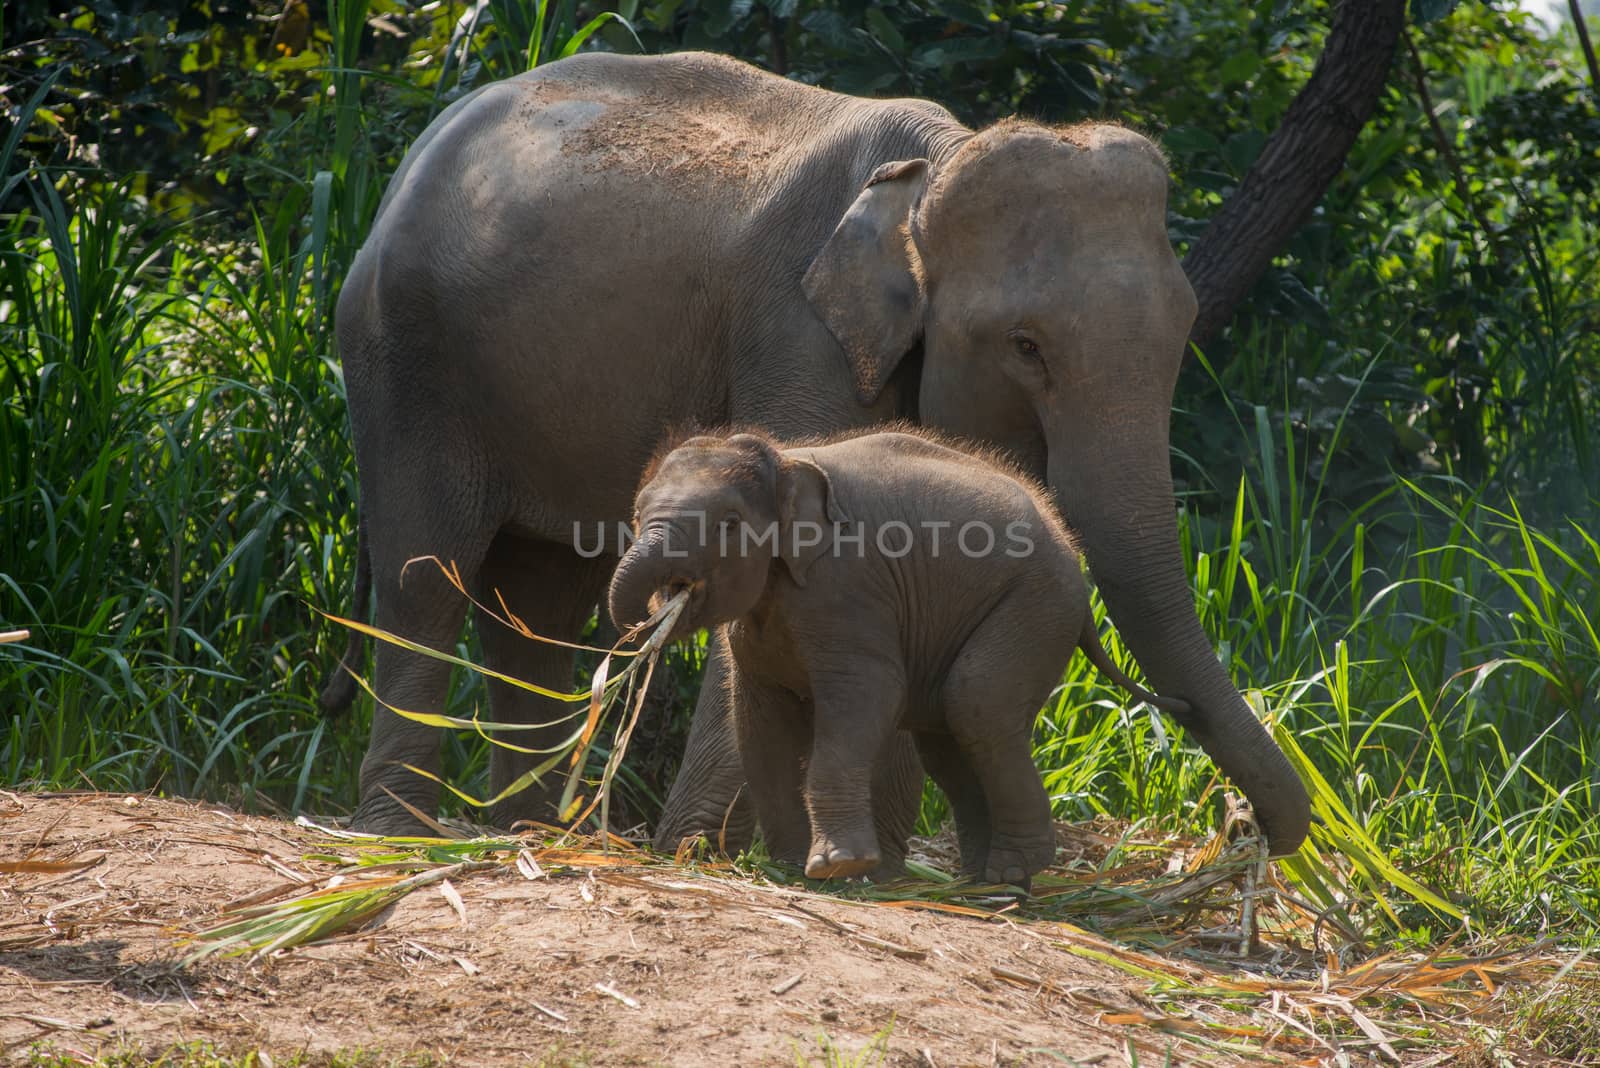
[1122, 508]
[642, 571]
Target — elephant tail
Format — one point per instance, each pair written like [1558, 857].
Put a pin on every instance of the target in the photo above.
[1089, 642]
[339, 689]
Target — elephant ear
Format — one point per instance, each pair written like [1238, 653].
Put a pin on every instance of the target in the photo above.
[866, 283]
[808, 514]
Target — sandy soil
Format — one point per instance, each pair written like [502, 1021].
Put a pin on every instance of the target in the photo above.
[611, 965]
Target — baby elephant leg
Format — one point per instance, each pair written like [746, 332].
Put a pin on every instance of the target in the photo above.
[953, 772]
[896, 802]
[857, 707]
[991, 698]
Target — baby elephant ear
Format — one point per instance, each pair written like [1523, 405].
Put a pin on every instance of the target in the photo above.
[866, 283]
[807, 515]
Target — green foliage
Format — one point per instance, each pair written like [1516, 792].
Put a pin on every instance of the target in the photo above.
[167, 497]
[499, 38]
[984, 59]
[1476, 321]
[135, 84]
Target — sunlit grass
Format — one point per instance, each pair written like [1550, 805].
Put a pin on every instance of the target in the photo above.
[1443, 689]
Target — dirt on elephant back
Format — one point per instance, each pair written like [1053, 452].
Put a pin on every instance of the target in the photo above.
[623, 959]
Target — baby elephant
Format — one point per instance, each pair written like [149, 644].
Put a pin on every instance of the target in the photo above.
[868, 583]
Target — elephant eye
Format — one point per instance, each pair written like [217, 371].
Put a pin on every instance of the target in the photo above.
[1026, 346]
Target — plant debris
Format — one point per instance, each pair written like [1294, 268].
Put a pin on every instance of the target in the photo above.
[737, 960]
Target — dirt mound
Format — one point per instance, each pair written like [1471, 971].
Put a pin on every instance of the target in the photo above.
[555, 961]
[613, 966]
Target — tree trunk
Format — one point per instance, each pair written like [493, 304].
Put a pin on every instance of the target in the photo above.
[1298, 162]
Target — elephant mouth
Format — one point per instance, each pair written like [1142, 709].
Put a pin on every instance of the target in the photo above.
[696, 589]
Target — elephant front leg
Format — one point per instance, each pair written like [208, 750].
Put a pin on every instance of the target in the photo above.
[857, 707]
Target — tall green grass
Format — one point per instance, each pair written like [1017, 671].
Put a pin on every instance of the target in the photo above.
[170, 483]
[176, 486]
[1446, 687]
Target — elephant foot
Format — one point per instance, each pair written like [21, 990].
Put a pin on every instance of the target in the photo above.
[729, 831]
[888, 869]
[974, 854]
[730, 841]
[787, 852]
[1017, 864]
[842, 858]
[516, 813]
[1013, 875]
[382, 814]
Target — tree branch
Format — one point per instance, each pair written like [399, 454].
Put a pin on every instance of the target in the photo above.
[1446, 153]
[1298, 162]
[778, 41]
[1583, 41]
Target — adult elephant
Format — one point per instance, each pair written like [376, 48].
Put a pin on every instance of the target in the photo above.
[569, 263]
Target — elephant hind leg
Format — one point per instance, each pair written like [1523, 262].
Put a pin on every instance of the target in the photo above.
[951, 770]
[991, 699]
[553, 592]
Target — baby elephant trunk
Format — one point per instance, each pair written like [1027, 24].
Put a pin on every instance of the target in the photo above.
[1089, 642]
[643, 572]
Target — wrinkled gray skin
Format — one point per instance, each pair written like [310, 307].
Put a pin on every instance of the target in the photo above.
[949, 611]
[570, 262]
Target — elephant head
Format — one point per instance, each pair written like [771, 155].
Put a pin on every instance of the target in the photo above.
[713, 516]
[1033, 266]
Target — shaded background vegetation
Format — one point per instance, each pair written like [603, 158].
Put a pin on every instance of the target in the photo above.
[1386, 460]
